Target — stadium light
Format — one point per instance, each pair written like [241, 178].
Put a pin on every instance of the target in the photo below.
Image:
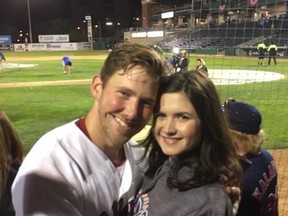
[89, 30]
[191, 20]
[176, 50]
[99, 28]
[29, 20]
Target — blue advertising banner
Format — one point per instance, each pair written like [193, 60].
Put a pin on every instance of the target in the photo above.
[5, 40]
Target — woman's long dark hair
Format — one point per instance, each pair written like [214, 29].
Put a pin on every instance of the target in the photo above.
[215, 159]
[11, 150]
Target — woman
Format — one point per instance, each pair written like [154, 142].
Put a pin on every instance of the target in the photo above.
[191, 155]
[11, 151]
[201, 66]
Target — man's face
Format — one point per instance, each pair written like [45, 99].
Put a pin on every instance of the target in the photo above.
[125, 105]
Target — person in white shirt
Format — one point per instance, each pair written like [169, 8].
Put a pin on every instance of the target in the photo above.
[88, 166]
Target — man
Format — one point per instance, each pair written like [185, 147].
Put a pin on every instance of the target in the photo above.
[67, 64]
[88, 166]
[182, 65]
[2, 58]
[272, 51]
[261, 52]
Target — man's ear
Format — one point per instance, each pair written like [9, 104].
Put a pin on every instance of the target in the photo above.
[96, 87]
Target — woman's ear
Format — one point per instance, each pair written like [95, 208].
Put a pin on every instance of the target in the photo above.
[96, 87]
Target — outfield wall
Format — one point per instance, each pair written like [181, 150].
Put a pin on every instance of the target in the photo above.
[52, 47]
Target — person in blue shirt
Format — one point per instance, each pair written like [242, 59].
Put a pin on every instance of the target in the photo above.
[260, 196]
[67, 64]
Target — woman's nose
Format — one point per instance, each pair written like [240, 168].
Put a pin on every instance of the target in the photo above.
[169, 126]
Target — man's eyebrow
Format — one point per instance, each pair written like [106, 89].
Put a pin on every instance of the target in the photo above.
[124, 88]
[144, 98]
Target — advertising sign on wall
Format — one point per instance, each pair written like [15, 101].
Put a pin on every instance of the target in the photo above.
[61, 46]
[53, 38]
[5, 40]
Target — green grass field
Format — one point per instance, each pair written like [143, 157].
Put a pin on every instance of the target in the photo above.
[36, 110]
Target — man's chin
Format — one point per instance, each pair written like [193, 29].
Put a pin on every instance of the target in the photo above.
[127, 137]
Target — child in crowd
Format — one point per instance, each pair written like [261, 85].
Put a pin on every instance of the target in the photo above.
[260, 196]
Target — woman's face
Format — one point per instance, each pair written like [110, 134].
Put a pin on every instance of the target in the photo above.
[177, 128]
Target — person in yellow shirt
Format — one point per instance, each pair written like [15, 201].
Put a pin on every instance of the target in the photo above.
[261, 52]
[272, 51]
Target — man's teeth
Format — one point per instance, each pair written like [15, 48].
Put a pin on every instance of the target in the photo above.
[123, 124]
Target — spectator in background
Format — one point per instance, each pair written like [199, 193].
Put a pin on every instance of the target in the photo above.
[191, 155]
[260, 196]
[183, 63]
[158, 49]
[201, 66]
[272, 52]
[2, 58]
[67, 64]
[11, 156]
[261, 52]
[173, 61]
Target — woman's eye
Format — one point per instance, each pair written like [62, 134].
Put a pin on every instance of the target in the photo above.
[183, 117]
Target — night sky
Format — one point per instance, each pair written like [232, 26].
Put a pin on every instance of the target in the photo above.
[14, 13]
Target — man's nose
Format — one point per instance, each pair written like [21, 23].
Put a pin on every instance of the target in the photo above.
[132, 109]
